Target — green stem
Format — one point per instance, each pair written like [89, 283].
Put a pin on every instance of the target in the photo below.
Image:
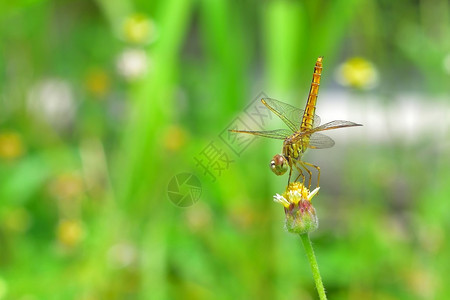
[314, 266]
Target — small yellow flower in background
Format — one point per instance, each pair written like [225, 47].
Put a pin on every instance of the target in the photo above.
[175, 138]
[300, 214]
[11, 145]
[139, 29]
[357, 72]
[70, 233]
[67, 186]
[198, 218]
[97, 82]
[68, 190]
[17, 220]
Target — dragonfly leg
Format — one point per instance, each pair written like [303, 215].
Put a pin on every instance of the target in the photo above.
[318, 171]
[302, 163]
[290, 173]
[300, 174]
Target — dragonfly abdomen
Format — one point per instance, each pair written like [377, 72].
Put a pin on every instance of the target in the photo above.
[308, 115]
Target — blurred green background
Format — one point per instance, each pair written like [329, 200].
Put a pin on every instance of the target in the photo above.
[103, 102]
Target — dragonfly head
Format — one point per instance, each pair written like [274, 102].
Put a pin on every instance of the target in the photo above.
[279, 164]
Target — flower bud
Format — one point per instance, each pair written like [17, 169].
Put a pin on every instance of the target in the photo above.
[300, 213]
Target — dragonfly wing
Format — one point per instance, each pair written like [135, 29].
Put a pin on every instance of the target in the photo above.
[316, 120]
[279, 134]
[290, 115]
[320, 141]
[334, 125]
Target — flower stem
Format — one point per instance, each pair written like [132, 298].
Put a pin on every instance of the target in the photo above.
[314, 266]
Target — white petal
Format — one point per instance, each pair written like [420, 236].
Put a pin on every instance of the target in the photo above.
[313, 193]
[280, 199]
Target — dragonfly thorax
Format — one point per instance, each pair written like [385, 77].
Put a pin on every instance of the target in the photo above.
[294, 146]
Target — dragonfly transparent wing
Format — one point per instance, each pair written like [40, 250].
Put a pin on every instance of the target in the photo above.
[290, 115]
[320, 141]
[333, 125]
[279, 134]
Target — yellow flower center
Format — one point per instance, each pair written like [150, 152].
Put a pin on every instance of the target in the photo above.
[294, 193]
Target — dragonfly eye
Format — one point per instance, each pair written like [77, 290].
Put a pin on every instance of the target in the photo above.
[278, 164]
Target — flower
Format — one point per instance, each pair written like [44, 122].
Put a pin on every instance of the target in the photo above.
[16, 220]
[122, 255]
[52, 100]
[11, 145]
[175, 138]
[67, 186]
[97, 82]
[132, 64]
[139, 29]
[300, 214]
[70, 233]
[357, 72]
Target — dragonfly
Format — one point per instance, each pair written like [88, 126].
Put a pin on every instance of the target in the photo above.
[304, 132]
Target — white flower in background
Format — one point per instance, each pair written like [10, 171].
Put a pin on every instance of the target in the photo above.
[132, 64]
[52, 101]
[358, 73]
[122, 255]
[446, 63]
